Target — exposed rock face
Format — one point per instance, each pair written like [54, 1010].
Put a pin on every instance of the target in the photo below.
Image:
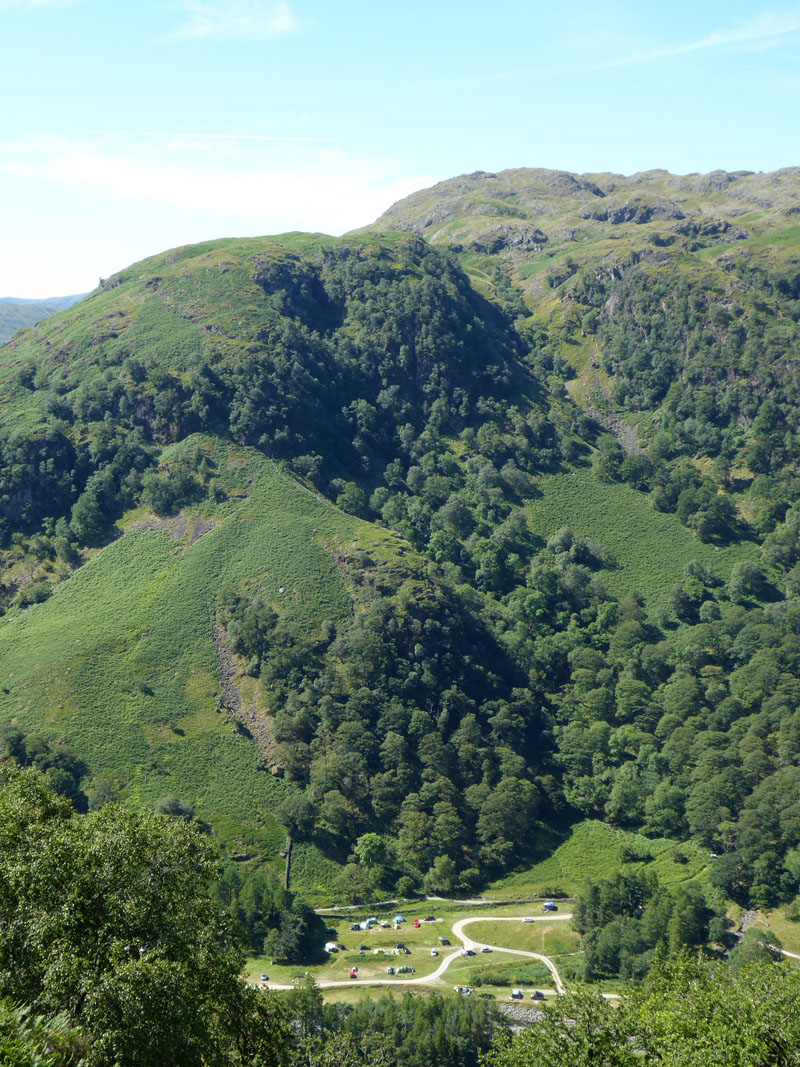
[255, 724]
[521, 238]
[635, 210]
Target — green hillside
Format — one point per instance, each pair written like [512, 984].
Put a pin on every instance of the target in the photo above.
[121, 659]
[415, 550]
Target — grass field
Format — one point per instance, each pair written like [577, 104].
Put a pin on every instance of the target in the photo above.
[591, 851]
[551, 939]
[785, 923]
[631, 530]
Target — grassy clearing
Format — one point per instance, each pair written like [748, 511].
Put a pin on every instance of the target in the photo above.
[372, 951]
[629, 528]
[785, 923]
[419, 941]
[551, 939]
[591, 851]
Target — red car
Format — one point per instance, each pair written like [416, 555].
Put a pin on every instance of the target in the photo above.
[354, 972]
[416, 923]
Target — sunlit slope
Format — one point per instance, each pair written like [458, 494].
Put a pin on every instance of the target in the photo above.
[121, 659]
[648, 549]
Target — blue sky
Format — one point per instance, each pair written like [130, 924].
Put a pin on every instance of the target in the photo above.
[128, 128]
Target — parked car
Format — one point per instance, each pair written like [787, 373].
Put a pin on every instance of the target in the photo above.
[264, 977]
[355, 926]
[467, 952]
[415, 923]
[429, 919]
[442, 940]
[516, 994]
[527, 919]
[537, 994]
[400, 945]
[549, 905]
[434, 952]
[390, 970]
[354, 972]
[486, 949]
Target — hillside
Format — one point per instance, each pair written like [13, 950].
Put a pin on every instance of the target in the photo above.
[349, 538]
[668, 304]
[19, 314]
[304, 352]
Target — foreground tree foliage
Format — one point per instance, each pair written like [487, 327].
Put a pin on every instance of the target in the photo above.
[419, 1030]
[689, 1014]
[107, 922]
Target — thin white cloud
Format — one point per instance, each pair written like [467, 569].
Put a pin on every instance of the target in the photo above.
[305, 187]
[766, 30]
[255, 19]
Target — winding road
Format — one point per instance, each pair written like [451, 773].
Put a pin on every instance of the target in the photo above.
[435, 977]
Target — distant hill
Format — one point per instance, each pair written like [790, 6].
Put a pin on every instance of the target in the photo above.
[16, 314]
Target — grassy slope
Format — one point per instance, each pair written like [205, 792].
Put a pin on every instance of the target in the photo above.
[636, 535]
[785, 923]
[120, 660]
[592, 850]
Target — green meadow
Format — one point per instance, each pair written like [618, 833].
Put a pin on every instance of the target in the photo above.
[590, 851]
[649, 548]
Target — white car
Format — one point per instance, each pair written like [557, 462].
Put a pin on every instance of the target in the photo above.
[264, 977]
[434, 952]
[528, 919]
